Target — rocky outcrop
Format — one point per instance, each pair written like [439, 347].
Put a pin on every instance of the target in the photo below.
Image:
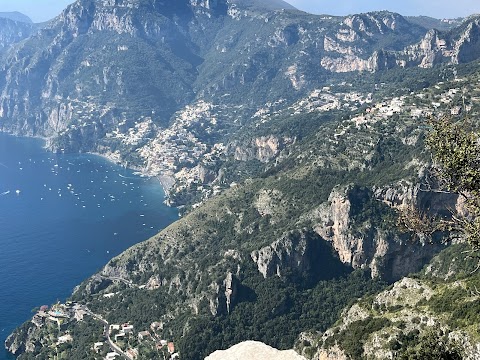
[231, 288]
[467, 47]
[398, 311]
[365, 244]
[22, 340]
[263, 149]
[431, 50]
[333, 353]
[254, 350]
[14, 344]
[405, 194]
[379, 60]
[293, 252]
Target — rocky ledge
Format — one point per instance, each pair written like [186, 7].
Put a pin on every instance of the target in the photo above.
[254, 350]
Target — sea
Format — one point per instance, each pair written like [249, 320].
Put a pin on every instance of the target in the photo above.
[62, 217]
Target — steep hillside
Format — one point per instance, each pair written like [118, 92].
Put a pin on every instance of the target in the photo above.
[431, 313]
[159, 85]
[16, 16]
[274, 256]
[13, 32]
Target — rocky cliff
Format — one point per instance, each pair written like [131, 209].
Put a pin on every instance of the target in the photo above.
[254, 350]
[414, 317]
[12, 32]
[102, 70]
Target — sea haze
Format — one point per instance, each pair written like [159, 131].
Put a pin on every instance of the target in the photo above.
[62, 217]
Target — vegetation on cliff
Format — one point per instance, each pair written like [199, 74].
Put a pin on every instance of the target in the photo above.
[292, 214]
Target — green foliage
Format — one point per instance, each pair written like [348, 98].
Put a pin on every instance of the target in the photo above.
[457, 305]
[456, 262]
[352, 339]
[456, 150]
[275, 313]
[431, 345]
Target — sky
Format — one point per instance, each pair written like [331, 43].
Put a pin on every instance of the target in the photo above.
[43, 10]
[434, 8]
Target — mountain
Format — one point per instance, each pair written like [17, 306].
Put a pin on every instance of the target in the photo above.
[13, 32]
[16, 16]
[291, 141]
[287, 250]
[264, 4]
[431, 311]
[432, 23]
[100, 74]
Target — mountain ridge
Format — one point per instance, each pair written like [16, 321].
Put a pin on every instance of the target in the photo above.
[16, 16]
[293, 142]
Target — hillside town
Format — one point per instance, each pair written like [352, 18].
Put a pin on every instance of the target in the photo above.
[119, 341]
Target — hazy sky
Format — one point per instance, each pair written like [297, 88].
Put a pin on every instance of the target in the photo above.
[42, 10]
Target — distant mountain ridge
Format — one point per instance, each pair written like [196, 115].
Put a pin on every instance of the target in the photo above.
[162, 60]
[289, 140]
[265, 4]
[13, 32]
[16, 16]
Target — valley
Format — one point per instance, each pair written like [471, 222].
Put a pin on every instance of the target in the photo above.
[291, 144]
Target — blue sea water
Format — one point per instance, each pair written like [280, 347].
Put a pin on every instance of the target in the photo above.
[70, 215]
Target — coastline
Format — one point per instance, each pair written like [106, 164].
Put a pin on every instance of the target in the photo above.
[42, 147]
[166, 181]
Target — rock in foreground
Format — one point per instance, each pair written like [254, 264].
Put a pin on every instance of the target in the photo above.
[254, 350]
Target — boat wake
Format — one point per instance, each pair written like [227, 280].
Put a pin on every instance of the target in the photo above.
[5, 193]
[129, 177]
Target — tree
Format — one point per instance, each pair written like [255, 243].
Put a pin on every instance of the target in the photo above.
[433, 345]
[455, 151]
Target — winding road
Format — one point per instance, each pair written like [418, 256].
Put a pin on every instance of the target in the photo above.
[106, 333]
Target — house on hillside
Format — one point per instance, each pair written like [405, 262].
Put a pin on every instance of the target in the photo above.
[133, 353]
[119, 336]
[111, 356]
[127, 328]
[97, 346]
[142, 335]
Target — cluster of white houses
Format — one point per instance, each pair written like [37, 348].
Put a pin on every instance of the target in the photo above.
[124, 331]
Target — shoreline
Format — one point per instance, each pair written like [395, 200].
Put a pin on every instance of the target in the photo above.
[103, 160]
[166, 181]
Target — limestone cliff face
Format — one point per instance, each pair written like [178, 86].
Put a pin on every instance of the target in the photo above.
[263, 149]
[293, 252]
[404, 194]
[365, 245]
[455, 47]
[431, 50]
[400, 306]
[459, 46]
[379, 60]
[466, 46]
